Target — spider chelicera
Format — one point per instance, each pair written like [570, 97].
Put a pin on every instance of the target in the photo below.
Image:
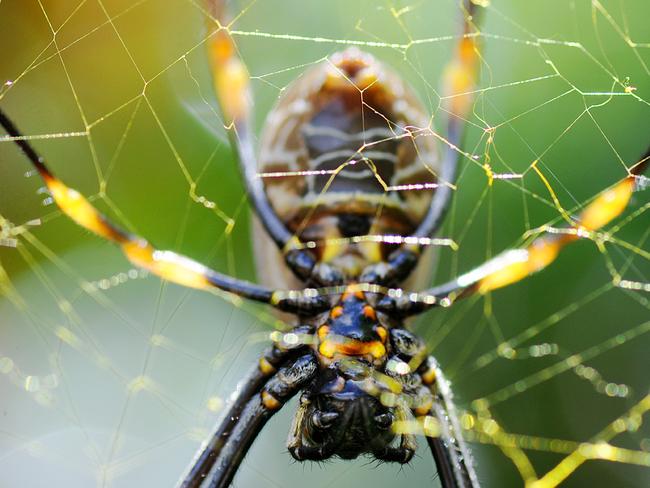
[339, 140]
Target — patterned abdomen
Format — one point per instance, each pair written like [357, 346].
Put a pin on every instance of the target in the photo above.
[348, 152]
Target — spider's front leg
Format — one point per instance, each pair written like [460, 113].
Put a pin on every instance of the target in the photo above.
[513, 265]
[288, 347]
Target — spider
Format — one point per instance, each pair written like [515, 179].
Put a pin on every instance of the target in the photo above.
[360, 372]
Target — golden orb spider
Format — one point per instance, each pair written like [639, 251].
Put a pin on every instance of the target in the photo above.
[350, 353]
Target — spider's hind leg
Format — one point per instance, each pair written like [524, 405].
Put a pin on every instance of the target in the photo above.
[259, 409]
[452, 456]
[270, 361]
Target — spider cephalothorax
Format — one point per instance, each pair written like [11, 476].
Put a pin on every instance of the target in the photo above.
[350, 407]
[353, 189]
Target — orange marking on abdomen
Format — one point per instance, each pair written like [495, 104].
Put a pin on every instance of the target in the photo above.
[352, 291]
[352, 347]
[369, 312]
[336, 312]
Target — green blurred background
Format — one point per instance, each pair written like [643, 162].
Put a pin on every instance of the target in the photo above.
[112, 387]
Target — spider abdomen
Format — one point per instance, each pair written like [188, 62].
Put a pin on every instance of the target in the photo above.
[347, 152]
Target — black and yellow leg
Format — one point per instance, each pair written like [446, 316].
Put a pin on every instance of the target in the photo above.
[268, 364]
[460, 79]
[459, 82]
[260, 408]
[514, 265]
[442, 429]
[168, 265]
[232, 86]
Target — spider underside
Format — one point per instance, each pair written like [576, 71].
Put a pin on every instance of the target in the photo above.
[341, 137]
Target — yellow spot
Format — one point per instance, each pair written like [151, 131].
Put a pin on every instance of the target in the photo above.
[270, 401]
[336, 312]
[276, 297]
[371, 250]
[265, 366]
[166, 264]
[377, 349]
[429, 377]
[75, 206]
[231, 79]
[608, 205]
[382, 333]
[327, 349]
[323, 331]
[292, 244]
[540, 254]
[332, 249]
[369, 312]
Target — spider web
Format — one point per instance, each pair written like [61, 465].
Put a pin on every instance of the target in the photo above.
[111, 378]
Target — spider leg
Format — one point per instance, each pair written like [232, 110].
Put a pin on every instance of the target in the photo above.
[259, 409]
[232, 86]
[168, 265]
[460, 77]
[295, 442]
[428, 394]
[514, 265]
[452, 456]
[407, 444]
[268, 364]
